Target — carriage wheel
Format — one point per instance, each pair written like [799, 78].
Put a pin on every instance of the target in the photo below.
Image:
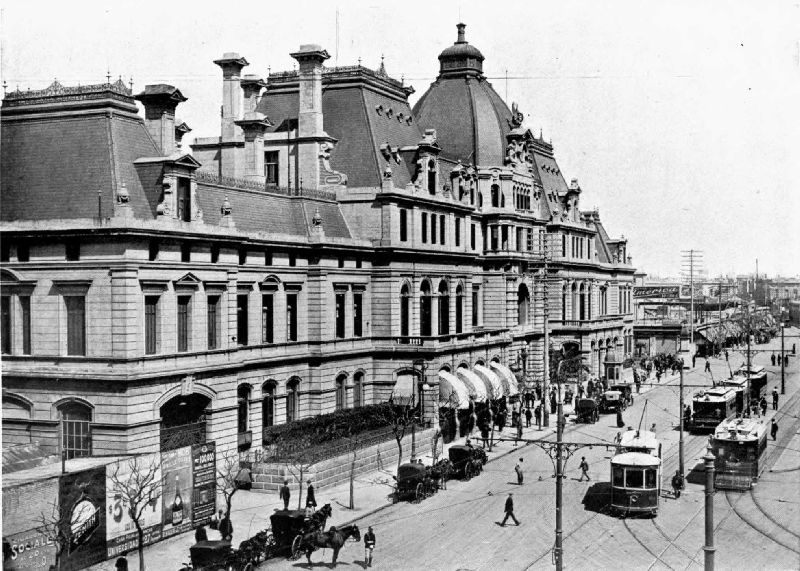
[419, 493]
[296, 551]
[468, 472]
[269, 547]
[248, 567]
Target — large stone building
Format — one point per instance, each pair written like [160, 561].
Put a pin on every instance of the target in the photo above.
[331, 246]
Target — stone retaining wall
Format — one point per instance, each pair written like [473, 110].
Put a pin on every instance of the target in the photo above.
[268, 477]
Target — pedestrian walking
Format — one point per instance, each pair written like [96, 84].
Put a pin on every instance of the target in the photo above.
[121, 564]
[658, 375]
[553, 403]
[509, 509]
[200, 534]
[285, 493]
[311, 498]
[226, 527]
[485, 435]
[687, 414]
[694, 360]
[772, 358]
[518, 470]
[786, 360]
[215, 519]
[528, 415]
[773, 429]
[369, 546]
[618, 439]
[620, 422]
[677, 484]
[584, 466]
[519, 431]
[774, 399]
[763, 404]
[501, 421]
[590, 387]
[708, 366]
[537, 412]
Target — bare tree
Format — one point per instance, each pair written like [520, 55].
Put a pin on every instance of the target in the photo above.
[227, 470]
[139, 487]
[55, 526]
[399, 417]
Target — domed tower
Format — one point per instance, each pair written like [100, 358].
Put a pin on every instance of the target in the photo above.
[470, 118]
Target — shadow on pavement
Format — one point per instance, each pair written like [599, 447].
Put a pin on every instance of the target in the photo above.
[597, 497]
[697, 475]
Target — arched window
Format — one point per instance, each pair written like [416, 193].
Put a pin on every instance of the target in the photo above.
[243, 406]
[459, 308]
[575, 300]
[523, 303]
[432, 177]
[292, 400]
[444, 309]
[405, 310]
[341, 403]
[76, 436]
[495, 196]
[582, 302]
[425, 302]
[564, 302]
[268, 404]
[358, 389]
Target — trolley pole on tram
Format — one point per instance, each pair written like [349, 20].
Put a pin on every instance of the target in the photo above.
[709, 548]
[680, 416]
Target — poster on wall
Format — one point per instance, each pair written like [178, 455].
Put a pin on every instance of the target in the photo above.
[204, 469]
[121, 534]
[176, 468]
[28, 550]
[83, 501]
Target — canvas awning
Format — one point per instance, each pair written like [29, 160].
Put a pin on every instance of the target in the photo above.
[403, 390]
[494, 381]
[506, 377]
[474, 384]
[452, 391]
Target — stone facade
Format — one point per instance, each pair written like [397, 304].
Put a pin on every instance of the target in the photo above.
[170, 290]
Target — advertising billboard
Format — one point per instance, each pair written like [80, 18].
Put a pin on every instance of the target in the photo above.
[177, 492]
[121, 534]
[83, 501]
[204, 484]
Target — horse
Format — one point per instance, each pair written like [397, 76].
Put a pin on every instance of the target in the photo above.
[318, 518]
[332, 539]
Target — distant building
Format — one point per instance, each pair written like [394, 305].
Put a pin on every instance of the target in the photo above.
[331, 247]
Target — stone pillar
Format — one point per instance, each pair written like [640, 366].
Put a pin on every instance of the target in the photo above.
[231, 134]
[159, 103]
[125, 296]
[254, 125]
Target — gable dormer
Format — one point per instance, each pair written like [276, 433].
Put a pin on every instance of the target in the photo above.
[176, 197]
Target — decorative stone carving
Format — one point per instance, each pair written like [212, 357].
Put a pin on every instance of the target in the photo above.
[226, 209]
[316, 219]
[325, 149]
[517, 117]
[387, 173]
[123, 197]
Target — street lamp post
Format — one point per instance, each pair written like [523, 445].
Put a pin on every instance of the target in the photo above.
[708, 548]
[783, 360]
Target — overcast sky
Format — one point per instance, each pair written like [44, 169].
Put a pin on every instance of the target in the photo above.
[680, 119]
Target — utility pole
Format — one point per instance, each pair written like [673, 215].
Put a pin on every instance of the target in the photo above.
[708, 548]
[680, 442]
[749, 321]
[546, 244]
[719, 316]
[783, 360]
[691, 263]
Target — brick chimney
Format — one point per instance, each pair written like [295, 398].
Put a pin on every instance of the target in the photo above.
[159, 103]
[252, 86]
[254, 125]
[310, 130]
[232, 66]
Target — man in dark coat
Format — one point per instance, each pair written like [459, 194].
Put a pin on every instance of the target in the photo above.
[528, 415]
[226, 527]
[774, 399]
[537, 412]
[763, 404]
[285, 493]
[369, 546]
[772, 358]
[200, 534]
[708, 366]
[773, 429]
[509, 509]
[518, 470]
[311, 499]
[620, 422]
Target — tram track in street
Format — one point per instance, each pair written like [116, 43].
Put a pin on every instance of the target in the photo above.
[645, 547]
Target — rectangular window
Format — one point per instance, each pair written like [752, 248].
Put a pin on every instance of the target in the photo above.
[76, 324]
[23, 252]
[504, 234]
[433, 228]
[25, 318]
[242, 256]
[150, 324]
[183, 322]
[5, 331]
[529, 244]
[271, 168]
[213, 321]
[73, 251]
[458, 232]
[186, 253]
[241, 318]
[358, 263]
[442, 229]
[5, 251]
[340, 317]
[472, 236]
[424, 228]
[357, 311]
[475, 307]
[291, 316]
[493, 232]
[341, 262]
[267, 318]
[563, 246]
[184, 199]
[520, 239]
[292, 259]
[214, 254]
[403, 225]
[267, 258]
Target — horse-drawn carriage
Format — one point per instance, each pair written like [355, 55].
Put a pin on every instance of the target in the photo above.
[587, 410]
[612, 401]
[214, 556]
[466, 461]
[415, 482]
[627, 391]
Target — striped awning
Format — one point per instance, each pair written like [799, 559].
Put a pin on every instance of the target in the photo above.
[474, 384]
[452, 391]
[506, 377]
[490, 377]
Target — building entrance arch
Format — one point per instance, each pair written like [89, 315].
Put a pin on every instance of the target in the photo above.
[183, 421]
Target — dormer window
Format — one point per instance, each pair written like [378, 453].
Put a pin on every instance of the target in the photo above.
[432, 177]
[184, 200]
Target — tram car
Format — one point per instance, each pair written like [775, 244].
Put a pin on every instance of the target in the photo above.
[738, 446]
[758, 381]
[636, 474]
[712, 406]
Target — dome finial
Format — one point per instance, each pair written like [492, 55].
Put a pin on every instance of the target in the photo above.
[461, 38]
